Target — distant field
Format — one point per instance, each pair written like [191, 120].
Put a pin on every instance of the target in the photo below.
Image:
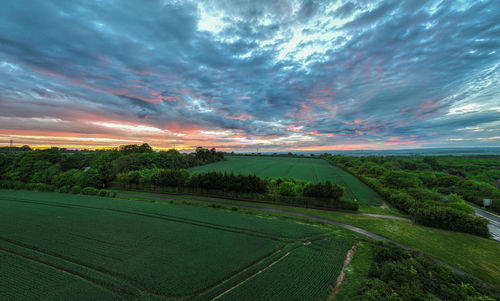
[66, 247]
[305, 169]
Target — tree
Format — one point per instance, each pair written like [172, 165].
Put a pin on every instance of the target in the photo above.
[287, 189]
[400, 179]
[433, 162]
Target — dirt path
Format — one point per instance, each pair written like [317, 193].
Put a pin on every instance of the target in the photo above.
[321, 219]
[347, 261]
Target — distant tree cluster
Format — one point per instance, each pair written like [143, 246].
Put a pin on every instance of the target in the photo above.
[434, 190]
[97, 169]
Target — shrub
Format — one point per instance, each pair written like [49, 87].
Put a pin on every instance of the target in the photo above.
[65, 189]
[422, 194]
[227, 182]
[323, 190]
[400, 179]
[452, 219]
[103, 192]
[396, 274]
[76, 189]
[44, 187]
[287, 189]
[89, 191]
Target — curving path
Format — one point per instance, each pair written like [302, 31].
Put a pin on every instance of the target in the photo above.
[314, 217]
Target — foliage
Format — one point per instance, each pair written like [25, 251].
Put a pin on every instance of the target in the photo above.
[287, 189]
[422, 193]
[400, 179]
[96, 169]
[323, 190]
[452, 219]
[396, 274]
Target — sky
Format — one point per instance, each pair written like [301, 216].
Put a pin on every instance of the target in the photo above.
[250, 75]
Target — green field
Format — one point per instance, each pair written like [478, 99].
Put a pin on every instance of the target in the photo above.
[475, 255]
[305, 169]
[61, 247]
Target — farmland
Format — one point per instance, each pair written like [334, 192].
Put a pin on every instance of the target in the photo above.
[305, 169]
[57, 246]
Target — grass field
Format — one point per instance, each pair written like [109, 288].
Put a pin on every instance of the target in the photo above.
[58, 246]
[305, 169]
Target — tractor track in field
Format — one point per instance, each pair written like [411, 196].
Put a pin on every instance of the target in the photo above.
[310, 216]
[105, 285]
[235, 274]
[300, 242]
[111, 274]
[252, 276]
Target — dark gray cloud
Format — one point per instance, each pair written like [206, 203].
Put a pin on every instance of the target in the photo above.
[272, 73]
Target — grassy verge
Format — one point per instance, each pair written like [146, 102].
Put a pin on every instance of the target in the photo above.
[475, 255]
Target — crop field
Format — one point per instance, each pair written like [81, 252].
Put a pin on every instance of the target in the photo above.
[305, 169]
[68, 247]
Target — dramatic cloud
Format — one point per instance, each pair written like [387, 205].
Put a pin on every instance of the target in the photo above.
[273, 75]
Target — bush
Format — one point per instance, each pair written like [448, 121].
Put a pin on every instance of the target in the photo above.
[323, 190]
[396, 274]
[400, 179]
[227, 182]
[452, 219]
[287, 189]
[103, 193]
[89, 191]
[9, 184]
[65, 189]
[76, 189]
[44, 187]
[346, 205]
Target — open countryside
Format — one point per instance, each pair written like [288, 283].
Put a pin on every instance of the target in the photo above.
[165, 235]
[239, 150]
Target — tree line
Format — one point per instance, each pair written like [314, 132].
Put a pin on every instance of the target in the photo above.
[431, 192]
[238, 186]
[96, 169]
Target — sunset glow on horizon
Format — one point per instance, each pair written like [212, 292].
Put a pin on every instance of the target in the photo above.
[244, 76]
